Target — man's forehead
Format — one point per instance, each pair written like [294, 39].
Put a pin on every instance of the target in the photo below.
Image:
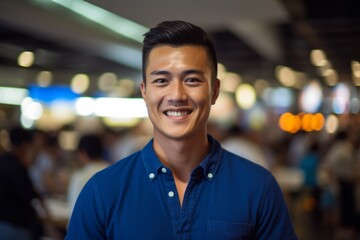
[187, 54]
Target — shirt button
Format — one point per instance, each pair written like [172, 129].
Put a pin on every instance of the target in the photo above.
[151, 175]
[163, 170]
[171, 194]
[210, 175]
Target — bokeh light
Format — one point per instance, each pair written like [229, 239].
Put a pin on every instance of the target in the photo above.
[286, 76]
[44, 78]
[80, 83]
[26, 59]
[332, 124]
[107, 81]
[311, 97]
[307, 122]
[341, 99]
[245, 96]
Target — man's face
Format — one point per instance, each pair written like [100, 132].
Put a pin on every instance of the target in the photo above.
[179, 91]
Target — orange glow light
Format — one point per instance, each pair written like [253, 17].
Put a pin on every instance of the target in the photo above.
[291, 123]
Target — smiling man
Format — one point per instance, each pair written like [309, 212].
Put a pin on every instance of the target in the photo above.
[182, 184]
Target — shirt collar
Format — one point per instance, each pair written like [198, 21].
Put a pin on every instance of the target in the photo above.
[209, 165]
[151, 161]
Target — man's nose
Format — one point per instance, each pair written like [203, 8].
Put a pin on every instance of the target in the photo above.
[177, 91]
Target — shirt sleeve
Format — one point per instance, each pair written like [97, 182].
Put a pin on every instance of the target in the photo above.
[274, 221]
[87, 219]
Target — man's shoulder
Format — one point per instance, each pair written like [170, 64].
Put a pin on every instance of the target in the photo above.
[244, 166]
[122, 168]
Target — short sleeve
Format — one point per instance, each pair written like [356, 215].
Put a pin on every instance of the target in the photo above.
[87, 219]
[273, 218]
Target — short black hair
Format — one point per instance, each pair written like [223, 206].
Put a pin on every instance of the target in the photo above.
[177, 33]
[19, 136]
[92, 145]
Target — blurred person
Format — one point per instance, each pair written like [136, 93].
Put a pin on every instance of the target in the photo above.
[4, 143]
[182, 184]
[237, 143]
[44, 171]
[90, 155]
[110, 140]
[298, 147]
[357, 180]
[128, 141]
[340, 160]
[309, 164]
[18, 216]
[125, 143]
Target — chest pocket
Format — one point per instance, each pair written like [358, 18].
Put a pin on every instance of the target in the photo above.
[228, 230]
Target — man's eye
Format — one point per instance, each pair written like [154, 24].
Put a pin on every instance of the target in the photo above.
[193, 80]
[160, 81]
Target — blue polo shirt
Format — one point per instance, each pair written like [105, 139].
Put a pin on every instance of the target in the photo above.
[227, 197]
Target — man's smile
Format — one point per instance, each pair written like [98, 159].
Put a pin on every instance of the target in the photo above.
[179, 113]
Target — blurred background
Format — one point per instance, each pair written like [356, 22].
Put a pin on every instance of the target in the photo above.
[290, 100]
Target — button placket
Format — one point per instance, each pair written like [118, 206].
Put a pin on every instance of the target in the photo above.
[170, 195]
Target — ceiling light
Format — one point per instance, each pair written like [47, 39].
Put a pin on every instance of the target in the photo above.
[105, 18]
[286, 76]
[80, 83]
[107, 81]
[44, 78]
[13, 96]
[26, 59]
[318, 57]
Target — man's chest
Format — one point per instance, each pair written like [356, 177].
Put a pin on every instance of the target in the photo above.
[155, 213]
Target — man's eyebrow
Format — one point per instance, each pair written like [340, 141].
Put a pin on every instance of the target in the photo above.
[160, 72]
[193, 71]
[186, 72]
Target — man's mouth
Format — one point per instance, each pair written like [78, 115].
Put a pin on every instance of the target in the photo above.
[177, 113]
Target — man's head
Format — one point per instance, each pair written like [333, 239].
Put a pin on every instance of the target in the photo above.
[19, 137]
[21, 144]
[90, 148]
[177, 33]
[180, 83]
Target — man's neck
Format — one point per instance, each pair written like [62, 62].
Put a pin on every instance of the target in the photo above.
[183, 155]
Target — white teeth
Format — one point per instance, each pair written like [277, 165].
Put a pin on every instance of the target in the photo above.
[177, 113]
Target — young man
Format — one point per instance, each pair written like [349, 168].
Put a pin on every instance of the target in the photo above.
[182, 184]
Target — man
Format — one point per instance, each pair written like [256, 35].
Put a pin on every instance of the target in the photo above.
[182, 184]
[18, 217]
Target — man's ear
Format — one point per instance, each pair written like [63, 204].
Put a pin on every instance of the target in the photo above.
[215, 91]
[143, 89]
